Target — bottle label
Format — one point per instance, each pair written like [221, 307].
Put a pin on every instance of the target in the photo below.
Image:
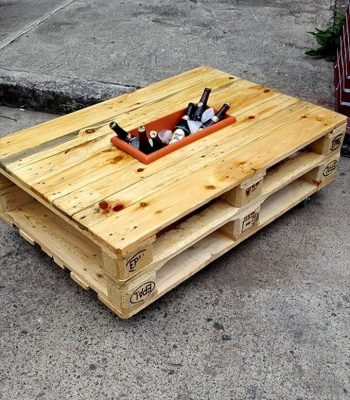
[186, 117]
[199, 104]
[215, 118]
[177, 135]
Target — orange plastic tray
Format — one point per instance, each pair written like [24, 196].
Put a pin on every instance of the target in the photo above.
[168, 122]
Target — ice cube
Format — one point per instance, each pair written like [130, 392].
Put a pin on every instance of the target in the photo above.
[194, 125]
[208, 113]
[165, 135]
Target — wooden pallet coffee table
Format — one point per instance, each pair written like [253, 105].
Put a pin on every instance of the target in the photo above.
[132, 232]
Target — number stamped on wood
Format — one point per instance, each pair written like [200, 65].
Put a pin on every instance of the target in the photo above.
[249, 220]
[252, 188]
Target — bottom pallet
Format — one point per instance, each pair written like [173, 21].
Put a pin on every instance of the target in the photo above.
[83, 258]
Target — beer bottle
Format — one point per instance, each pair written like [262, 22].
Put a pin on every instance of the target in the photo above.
[217, 117]
[144, 144]
[157, 143]
[202, 105]
[122, 134]
[182, 129]
[183, 123]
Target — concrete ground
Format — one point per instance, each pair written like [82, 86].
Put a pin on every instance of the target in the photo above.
[62, 55]
[268, 320]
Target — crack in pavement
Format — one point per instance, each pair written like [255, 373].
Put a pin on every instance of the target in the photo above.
[35, 23]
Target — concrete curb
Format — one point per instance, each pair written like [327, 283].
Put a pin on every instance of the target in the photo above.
[59, 95]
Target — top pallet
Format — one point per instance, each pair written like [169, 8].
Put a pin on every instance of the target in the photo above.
[70, 166]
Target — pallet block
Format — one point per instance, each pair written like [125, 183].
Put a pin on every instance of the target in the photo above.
[132, 232]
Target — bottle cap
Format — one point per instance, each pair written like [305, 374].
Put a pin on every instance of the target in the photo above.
[153, 134]
[141, 128]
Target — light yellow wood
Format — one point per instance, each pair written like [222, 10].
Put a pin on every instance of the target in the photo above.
[57, 177]
[325, 172]
[84, 143]
[331, 142]
[79, 280]
[179, 162]
[117, 296]
[27, 237]
[244, 222]
[128, 102]
[122, 267]
[131, 296]
[61, 241]
[219, 176]
[164, 221]
[216, 215]
[54, 210]
[289, 170]
[216, 244]
[246, 192]
[215, 147]
[75, 189]
[13, 197]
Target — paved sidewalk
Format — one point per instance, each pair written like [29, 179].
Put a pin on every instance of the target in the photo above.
[62, 55]
[269, 320]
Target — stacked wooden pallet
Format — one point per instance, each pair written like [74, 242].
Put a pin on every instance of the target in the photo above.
[132, 232]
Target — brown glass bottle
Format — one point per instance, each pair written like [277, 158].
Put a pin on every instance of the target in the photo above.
[183, 123]
[157, 143]
[202, 105]
[144, 145]
[122, 134]
[217, 117]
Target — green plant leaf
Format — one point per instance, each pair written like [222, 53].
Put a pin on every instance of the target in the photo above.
[328, 39]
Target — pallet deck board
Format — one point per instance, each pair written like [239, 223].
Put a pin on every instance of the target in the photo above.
[106, 186]
[178, 213]
[70, 155]
[61, 242]
[211, 181]
[99, 130]
[99, 113]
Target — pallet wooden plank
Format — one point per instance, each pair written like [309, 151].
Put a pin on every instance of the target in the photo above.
[289, 170]
[216, 244]
[326, 170]
[217, 177]
[82, 143]
[199, 255]
[128, 102]
[60, 240]
[100, 171]
[216, 215]
[12, 197]
[223, 142]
